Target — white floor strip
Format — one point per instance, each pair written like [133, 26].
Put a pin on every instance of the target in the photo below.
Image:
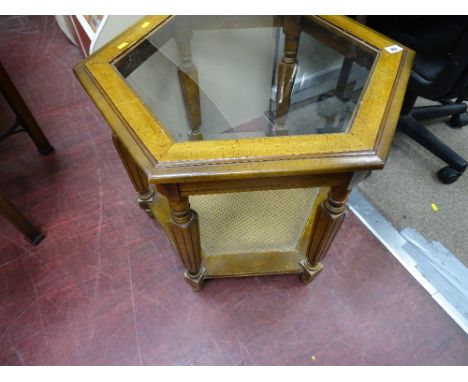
[431, 264]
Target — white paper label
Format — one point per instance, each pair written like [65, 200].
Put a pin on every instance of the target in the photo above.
[394, 49]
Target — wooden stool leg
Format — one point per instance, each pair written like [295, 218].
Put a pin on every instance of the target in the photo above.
[186, 235]
[287, 70]
[327, 222]
[137, 177]
[7, 209]
[23, 114]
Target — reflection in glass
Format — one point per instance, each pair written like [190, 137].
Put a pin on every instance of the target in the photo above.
[235, 77]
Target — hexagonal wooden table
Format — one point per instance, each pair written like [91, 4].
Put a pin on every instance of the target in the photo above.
[243, 135]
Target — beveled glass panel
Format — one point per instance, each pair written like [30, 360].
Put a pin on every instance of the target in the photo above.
[235, 77]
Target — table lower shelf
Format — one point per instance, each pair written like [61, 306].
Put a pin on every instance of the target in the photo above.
[251, 263]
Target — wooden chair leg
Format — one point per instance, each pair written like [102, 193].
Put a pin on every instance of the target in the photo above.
[23, 114]
[7, 209]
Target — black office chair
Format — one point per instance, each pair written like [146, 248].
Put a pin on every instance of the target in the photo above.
[440, 73]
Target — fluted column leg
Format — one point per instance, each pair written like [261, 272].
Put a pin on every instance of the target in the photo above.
[186, 234]
[327, 222]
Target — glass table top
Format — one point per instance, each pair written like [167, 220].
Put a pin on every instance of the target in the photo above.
[235, 77]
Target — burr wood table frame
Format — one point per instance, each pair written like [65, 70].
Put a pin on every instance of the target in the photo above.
[167, 171]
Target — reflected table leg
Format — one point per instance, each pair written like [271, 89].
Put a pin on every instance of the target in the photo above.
[287, 70]
[188, 79]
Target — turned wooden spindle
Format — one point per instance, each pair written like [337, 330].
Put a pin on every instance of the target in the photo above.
[287, 69]
[188, 79]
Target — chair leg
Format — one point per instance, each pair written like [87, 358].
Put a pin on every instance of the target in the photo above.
[23, 113]
[422, 113]
[459, 120]
[408, 103]
[32, 234]
[456, 164]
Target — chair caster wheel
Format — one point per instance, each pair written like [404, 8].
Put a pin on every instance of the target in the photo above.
[448, 175]
[458, 120]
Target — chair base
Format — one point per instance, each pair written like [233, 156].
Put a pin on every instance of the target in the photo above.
[456, 164]
[457, 121]
[448, 175]
[422, 113]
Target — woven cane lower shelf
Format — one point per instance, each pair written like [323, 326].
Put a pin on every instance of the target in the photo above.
[253, 232]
